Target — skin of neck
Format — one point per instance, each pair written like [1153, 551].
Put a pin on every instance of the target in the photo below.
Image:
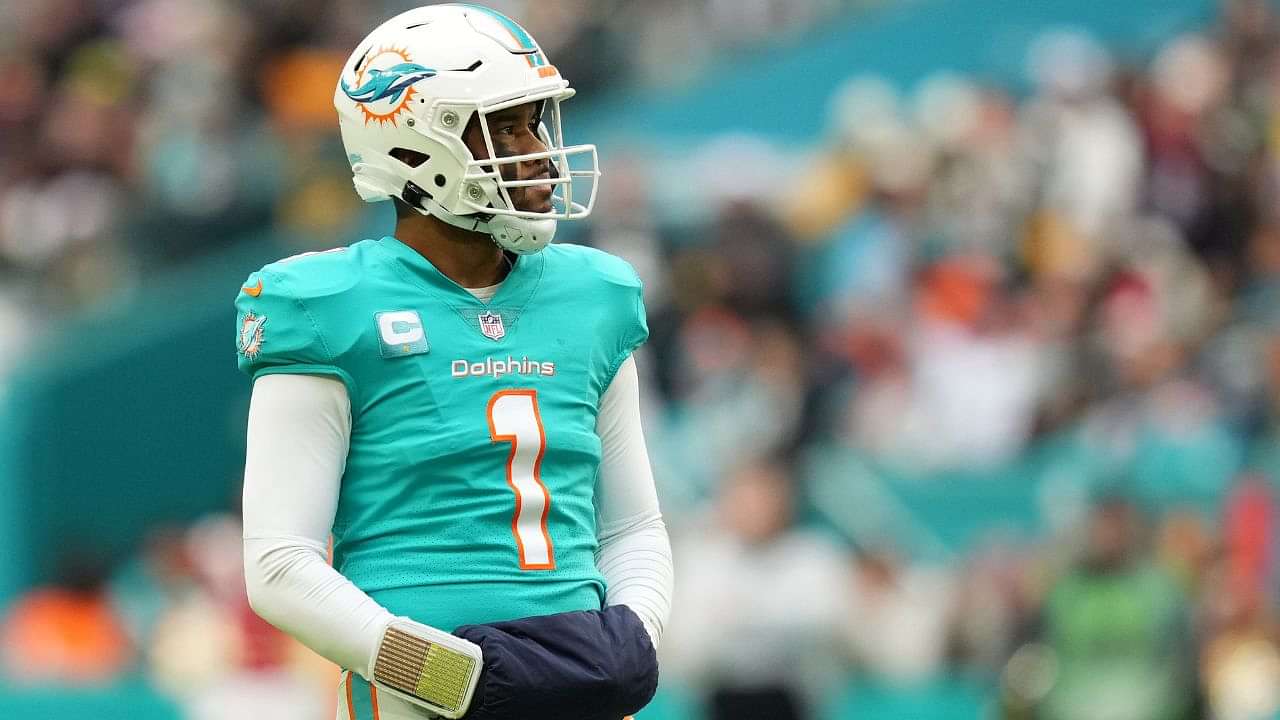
[470, 259]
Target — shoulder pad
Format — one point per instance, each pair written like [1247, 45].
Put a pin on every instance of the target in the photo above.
[597, 263]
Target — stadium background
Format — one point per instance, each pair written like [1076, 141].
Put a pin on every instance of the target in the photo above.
[964, 376]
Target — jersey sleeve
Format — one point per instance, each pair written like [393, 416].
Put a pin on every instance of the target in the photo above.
[632, 323]
[276, 332]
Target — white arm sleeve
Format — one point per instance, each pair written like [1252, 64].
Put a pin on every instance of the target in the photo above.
[299, 429]
[634, 553]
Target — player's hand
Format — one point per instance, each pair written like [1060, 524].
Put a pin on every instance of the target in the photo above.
[589, 665]
[426, 667]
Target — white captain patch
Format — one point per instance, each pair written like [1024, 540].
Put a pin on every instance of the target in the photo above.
[401, 333]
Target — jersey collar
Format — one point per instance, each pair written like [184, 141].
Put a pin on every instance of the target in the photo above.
[517, 287]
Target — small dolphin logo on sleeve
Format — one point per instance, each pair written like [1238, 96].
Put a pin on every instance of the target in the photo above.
[387, 83]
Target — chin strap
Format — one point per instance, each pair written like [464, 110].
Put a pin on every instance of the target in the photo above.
[472, 223]
[521, 236]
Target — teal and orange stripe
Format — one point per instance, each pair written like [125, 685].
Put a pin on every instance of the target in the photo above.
[362, 699]
[535, 58]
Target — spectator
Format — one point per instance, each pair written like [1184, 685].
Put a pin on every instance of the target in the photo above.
[898, 618]
[67, 632]
[1118, 628]
[761, 610]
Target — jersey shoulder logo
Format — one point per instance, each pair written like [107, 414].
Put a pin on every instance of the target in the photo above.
[401, 333]
[249, 341]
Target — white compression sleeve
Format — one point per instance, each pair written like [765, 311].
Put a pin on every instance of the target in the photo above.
[299, 429]
[634, 553]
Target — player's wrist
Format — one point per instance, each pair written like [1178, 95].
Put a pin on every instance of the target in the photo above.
[367, 671]
[426, 667]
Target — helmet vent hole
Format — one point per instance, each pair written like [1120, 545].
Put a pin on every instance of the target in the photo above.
[439, 180]
[412, 158]
[363, 57]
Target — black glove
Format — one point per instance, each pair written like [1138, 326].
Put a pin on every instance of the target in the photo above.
[588, 665]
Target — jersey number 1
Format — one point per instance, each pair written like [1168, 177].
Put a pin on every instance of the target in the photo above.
[514, 418]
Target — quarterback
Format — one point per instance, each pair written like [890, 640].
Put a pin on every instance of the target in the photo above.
[455, 406]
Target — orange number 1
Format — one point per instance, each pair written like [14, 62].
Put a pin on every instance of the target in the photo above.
[514, 418]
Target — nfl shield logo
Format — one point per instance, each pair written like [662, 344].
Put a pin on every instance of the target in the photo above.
[491, 326]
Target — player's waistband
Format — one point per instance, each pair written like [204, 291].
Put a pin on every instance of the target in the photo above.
[448, 606]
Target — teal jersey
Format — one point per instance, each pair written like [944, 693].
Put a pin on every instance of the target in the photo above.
[468, 494]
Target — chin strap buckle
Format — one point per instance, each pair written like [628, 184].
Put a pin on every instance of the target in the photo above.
[413, 195]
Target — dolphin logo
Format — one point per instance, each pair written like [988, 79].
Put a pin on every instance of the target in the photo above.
[387, 83]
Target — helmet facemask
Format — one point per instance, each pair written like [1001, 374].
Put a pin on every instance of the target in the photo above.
[567, 165]
[488, 183]
[485, 202]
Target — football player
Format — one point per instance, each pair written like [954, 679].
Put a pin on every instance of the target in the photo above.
[456, 405]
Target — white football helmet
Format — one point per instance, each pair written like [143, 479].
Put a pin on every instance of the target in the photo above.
[416, 81]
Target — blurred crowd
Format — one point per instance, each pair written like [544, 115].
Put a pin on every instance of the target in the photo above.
[1073, 289]
[136, 134]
